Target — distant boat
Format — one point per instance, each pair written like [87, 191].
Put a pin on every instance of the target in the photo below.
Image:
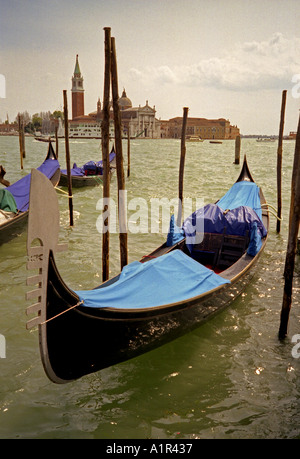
[90, 174]
[195, 138]
[215, 141]
[265, 139]
[44, 138]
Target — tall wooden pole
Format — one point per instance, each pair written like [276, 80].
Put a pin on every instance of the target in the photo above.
[23, 139]
[237, 149]
[56, 140]
[119, 158]
[181, 166]
[128, 152]
[105, 153]
[294, 222]
[279, 161]
[20, 140]
[68, 157]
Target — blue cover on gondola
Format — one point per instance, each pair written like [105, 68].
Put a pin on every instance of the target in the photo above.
[89, 168]
[242, 194]
[21, 189]
[235, 213]
[175, 233]
[212, 219]
[171, 278]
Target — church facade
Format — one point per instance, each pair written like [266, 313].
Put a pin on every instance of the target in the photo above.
[137, 121]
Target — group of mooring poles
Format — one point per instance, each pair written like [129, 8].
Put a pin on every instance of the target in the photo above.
[111, 80]
[294, 225]
[294, 217]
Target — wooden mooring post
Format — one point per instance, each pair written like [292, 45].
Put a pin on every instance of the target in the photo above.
[237, 149]
[181, 165]
[128, 152]
[105, 154]
[68, 156]
[294, 222]
[279, 161]
[20, 127]
[56, 140]
[119, 158]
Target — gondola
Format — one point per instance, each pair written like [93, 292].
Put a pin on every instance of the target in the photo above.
[90, 174]
[170, 292]
[14, 199]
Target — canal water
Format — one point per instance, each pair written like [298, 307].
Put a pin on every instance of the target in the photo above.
[231, 378]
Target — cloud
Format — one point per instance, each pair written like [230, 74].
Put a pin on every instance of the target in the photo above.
[249, 66]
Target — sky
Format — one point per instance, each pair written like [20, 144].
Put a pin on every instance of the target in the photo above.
[220, 58]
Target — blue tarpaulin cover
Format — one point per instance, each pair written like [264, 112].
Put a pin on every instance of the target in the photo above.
[242, 194]
[175, 233]
[211, 219]
[97, 166]
[167, 279]
[21, 189]
[243, 202]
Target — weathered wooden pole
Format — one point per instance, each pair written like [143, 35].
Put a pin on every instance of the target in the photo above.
[105, 154]
[237, 149]
[68, 157]
[181, 165]
[119, 158]
[20, 140]
[56, 140]
[128, 152]
[294, 222]
[23, 139]
[279, 161]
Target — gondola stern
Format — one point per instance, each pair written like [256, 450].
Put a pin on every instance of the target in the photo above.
[42, 238]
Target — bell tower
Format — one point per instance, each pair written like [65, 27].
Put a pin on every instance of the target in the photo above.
[77, 92]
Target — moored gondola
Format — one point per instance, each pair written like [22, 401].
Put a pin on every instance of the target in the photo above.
[14, 199]
[90, 174]
[201, 268]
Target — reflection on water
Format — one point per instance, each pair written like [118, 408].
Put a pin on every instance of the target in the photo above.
[230, 378]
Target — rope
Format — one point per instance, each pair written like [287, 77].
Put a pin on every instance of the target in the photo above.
[97, 179]
[268, 210]
[63, 191]
[57, 315]
[269, 205]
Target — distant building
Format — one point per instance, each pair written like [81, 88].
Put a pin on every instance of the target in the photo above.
[202, 127]
[8, 129]
[140, 121]
[77, 92]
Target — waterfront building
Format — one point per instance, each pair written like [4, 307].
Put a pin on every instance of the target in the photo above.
[201, 127]
[139, 121]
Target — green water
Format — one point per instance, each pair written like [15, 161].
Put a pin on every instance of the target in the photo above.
[231, 378]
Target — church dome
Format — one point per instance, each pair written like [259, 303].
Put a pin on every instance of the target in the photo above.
[124, 101]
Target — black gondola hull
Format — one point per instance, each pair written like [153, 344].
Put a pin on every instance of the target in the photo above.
[78, 182]
[76, 340]
[99, 338]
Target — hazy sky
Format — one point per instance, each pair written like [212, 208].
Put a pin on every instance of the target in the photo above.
[220, 58]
